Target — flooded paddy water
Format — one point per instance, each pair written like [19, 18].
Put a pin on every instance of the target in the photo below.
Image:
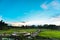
[25, 38]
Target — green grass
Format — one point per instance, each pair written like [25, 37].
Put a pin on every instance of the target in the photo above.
[44, 33]
[10, 31]
[50, 33]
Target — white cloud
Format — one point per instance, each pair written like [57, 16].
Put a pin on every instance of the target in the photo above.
[44, 6]
[1, 18]
[17, 23]
[52, 5]
[55, 5]
[54, 20]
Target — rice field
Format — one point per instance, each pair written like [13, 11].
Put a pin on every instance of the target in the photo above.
[50, 33]
[44, 32]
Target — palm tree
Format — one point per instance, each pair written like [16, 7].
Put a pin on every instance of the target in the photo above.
[3, 25]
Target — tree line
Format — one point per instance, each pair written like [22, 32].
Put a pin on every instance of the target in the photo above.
[4, 25]
[46, 26]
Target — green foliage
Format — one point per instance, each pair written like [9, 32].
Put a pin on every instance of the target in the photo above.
[3, 25]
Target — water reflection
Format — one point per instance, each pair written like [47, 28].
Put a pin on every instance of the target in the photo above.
[8, 39]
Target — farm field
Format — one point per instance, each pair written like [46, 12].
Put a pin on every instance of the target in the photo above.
[50, 33]
[44, 32]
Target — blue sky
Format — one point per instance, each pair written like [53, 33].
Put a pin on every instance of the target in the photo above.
[29, 10]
